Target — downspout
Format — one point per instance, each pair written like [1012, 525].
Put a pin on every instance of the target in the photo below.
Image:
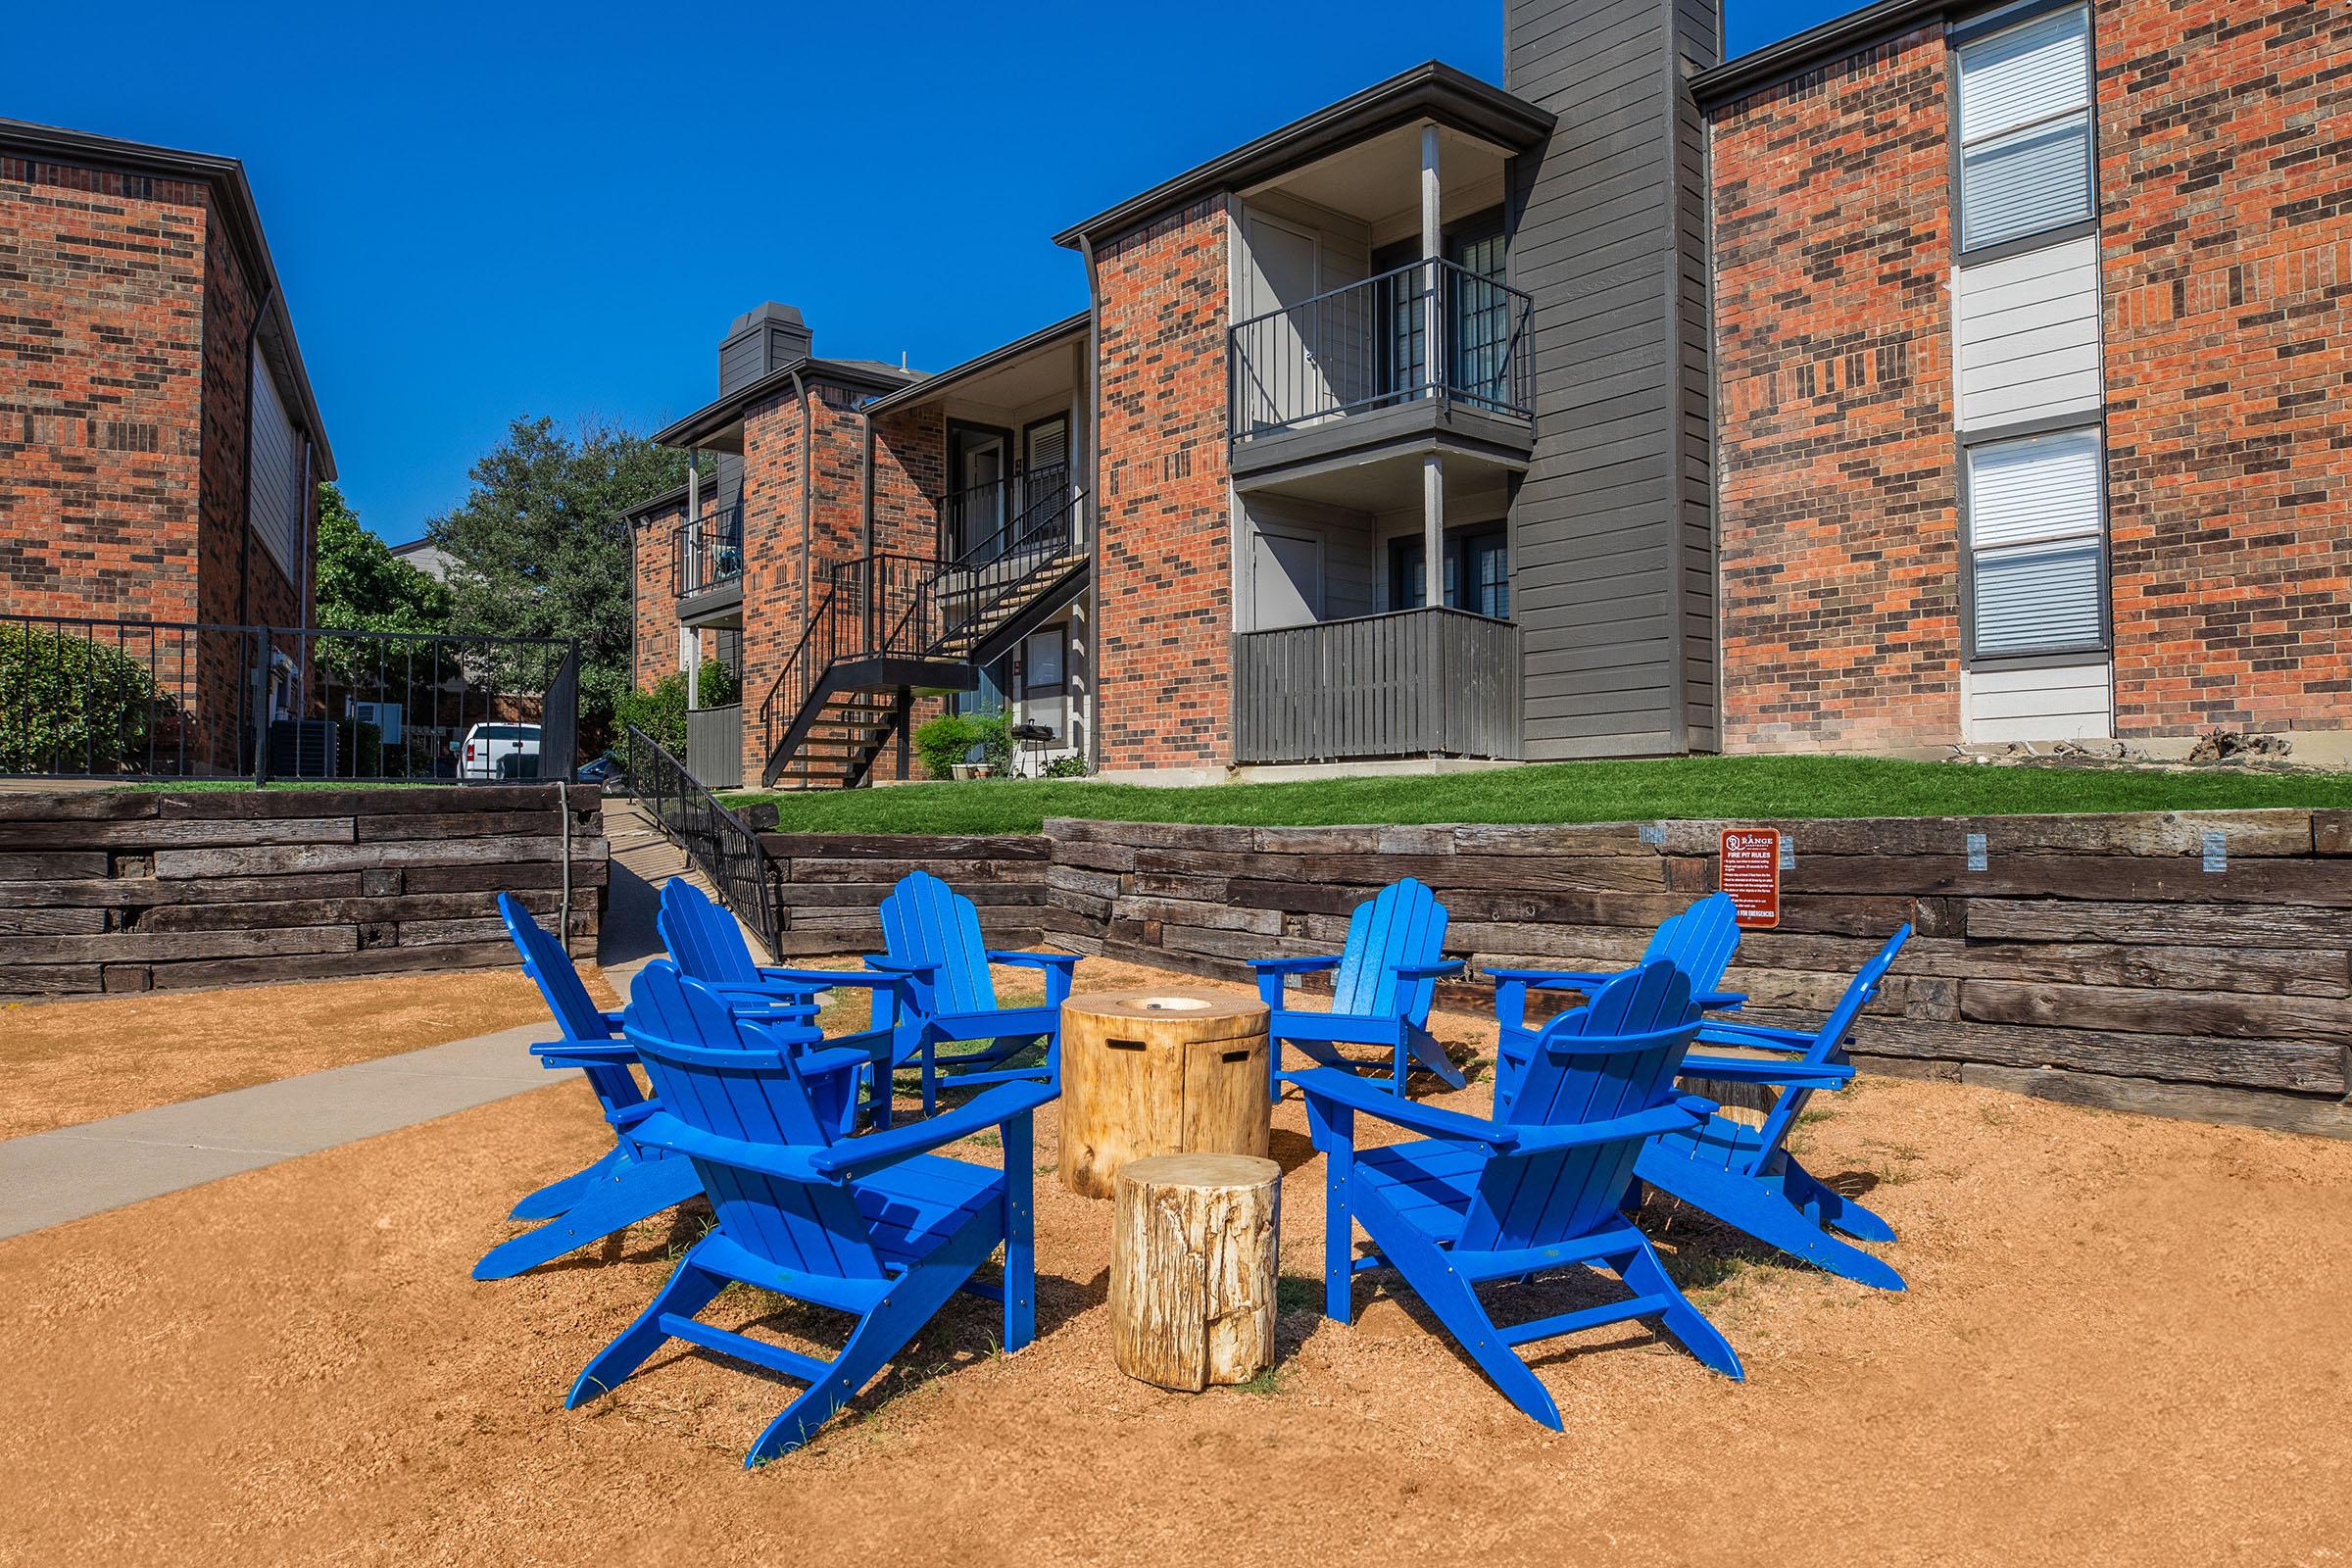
[252, 338]
[1093, 508]
[865, 515]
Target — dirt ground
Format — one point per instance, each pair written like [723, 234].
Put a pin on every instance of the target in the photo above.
[76, 1061]
[2124, 1342]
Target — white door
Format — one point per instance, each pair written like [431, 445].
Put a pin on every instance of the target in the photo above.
[1286, 579]
[1283, 381]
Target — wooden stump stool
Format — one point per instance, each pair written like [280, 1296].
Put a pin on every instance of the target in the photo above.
[1193, 1268]
[1159, 1073]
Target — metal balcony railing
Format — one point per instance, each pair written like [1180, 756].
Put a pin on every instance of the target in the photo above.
[1427, 329]
[708, 554]
[980, 524]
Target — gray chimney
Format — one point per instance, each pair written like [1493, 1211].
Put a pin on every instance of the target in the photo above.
[760, 343]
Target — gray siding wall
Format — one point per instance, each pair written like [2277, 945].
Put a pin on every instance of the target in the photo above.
[1614, 527]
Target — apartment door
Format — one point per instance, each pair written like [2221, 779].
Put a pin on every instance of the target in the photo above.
[1286, 579]
[1282, 375]
[977, 504]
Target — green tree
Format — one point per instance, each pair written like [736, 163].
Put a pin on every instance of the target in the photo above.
[363, 586]
[541, 548]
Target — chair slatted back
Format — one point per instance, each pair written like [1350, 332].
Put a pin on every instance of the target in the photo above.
[741, 1080]
[1614, 1056]
[1404, 925]
[1829, 1044]
[703, 939]
[926, 921]
[575, 1011]
[1699, 941]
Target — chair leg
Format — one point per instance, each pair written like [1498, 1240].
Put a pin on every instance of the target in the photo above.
[1020, 1232]
[1646, 1276]
[689, 1289]
[1745, 1203]
[1332, 1128]
[1424, 1048]
[1832, 1209]
[634, 1191]
[558, 1195]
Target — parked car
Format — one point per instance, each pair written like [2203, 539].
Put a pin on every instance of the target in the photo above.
[605, 772]
[499, 752]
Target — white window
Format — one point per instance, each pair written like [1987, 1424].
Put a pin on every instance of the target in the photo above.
[275, 504]
[2038, 547]
[2025, 129]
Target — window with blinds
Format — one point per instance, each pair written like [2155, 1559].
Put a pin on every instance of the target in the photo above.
[2037, 539]
[275, 504]
[2025, 129]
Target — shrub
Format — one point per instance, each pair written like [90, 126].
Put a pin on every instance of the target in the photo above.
[70, 705]
[949, 740]
[721, 687]
[661, 713]
[1070, 767]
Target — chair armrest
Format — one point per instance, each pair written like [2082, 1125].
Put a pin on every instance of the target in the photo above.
[990, 1108]
[612, 1021]
[889, 965]
[1757, 1036]
[1551, 979]
[828, 979]
[1641, 1124]
[1720, 1000]
[1784, 1074]
[586, 1053]
[1346, 1089]
[788, 1161]
[1034, 961]
[1430, 971]
[1294, 965]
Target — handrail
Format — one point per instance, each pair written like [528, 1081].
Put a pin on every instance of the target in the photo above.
[1025, 497]
[714, 838]
[1422, 265]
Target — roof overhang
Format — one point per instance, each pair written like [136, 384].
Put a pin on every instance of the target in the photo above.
[1432, 91]
[716, 417]
[1835, 37]
[939, 385]
[225, 177]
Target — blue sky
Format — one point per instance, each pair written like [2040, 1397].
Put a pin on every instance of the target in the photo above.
[480, 212]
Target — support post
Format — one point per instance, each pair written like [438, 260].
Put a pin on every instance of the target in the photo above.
[1433, 529]
[1433, 250]
[906, 718]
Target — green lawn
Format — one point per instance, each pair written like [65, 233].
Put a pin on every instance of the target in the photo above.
[1734, 787]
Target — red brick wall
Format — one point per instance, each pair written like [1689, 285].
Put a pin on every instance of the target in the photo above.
[910, 476]
[1166, 587]
[2226, 186]
[1839, 507]
[102, 318]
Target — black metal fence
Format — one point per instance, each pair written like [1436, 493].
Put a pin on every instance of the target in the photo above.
[714, 838]
[89, 697]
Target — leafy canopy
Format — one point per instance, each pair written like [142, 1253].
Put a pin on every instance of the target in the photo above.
[541, 548]
[363, 586]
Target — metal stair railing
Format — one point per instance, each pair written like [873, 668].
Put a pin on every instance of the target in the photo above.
[715, 839]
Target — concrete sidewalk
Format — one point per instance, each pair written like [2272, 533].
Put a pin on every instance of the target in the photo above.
[51, 1177]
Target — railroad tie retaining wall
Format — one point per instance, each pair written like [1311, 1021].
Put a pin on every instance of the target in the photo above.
[2106, 960]
[126, 891]
[830, 885]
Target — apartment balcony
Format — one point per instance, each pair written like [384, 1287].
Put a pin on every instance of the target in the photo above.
[1414, 683]
[706, 565]
[1429, 352]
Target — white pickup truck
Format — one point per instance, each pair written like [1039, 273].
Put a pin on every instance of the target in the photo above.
[499, 752]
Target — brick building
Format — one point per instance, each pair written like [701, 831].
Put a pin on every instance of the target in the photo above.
[1949, 373]
[160, 448]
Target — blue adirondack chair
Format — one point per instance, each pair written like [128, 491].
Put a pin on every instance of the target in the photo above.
[1699, 942]
[875, 1226]
[1479, 1199]
[1743, 1175]
[931, 934]
[707, 944]
[1386, 976]
[631, 1181]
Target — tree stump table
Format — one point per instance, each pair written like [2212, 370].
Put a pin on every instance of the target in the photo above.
[1159, 1073]
[1193, 1268]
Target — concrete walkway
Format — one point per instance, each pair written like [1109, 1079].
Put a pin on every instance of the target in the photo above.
[51, 1177]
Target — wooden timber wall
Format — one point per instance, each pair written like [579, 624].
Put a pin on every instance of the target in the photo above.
[832, 884]
[2093, 959]
[124, 891]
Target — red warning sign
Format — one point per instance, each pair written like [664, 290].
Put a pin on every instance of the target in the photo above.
[1750, 873]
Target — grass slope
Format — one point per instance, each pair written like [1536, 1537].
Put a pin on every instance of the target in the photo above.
[1734, 787]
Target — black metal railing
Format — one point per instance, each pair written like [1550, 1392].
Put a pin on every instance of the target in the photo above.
[1427, 329]
[883, 606]
[714, 838]
[87, 698]
[706, 554]
[980, 523]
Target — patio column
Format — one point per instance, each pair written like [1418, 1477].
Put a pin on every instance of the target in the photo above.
[1433, 529]
[1433, 467]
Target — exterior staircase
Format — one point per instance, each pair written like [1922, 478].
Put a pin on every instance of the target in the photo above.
[887, 626]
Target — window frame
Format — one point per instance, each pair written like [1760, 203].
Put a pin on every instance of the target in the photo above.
[2099, 649]
[1991, 25]
[1405, 550]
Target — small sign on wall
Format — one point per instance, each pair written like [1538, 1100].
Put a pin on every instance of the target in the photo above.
[1751, 872]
